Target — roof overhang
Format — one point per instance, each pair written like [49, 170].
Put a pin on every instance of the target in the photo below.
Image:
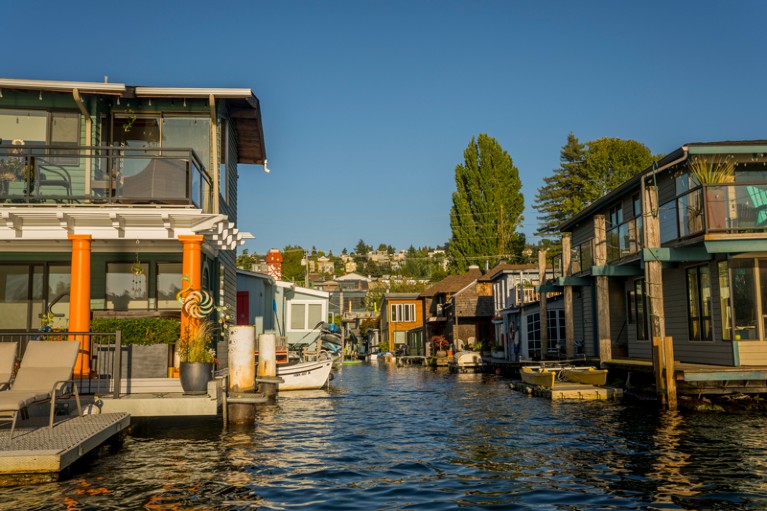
[243, 106]
[23, 227]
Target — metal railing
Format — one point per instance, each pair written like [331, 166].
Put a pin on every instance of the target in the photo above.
[109, 174]
[104, 357]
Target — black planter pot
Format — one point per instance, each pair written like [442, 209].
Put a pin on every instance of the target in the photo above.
[195, 376]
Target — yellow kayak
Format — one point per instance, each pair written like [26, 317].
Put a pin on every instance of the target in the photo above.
[587, 375]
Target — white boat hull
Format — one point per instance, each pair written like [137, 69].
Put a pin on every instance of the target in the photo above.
[304, 376]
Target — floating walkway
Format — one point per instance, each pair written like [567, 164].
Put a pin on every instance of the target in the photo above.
[44, 450]
[566, 390]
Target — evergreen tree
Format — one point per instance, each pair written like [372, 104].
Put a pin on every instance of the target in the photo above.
[556, 200]
[587, 172]
[487, 207]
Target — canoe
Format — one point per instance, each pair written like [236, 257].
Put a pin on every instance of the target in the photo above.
[587, 375]
[538, 376]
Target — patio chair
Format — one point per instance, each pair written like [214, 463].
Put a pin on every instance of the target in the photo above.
[45, 374]
[8, 352]
[758, 198]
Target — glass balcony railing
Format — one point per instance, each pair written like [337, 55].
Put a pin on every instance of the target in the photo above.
[624, 239]
[111, 175]
[720, 208]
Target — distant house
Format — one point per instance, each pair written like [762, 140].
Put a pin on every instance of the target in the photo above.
[280, 307]
[459, 309]
[402, 323]
[515, 294]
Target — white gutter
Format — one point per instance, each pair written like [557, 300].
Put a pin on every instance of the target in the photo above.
[51, 85]
[178, 92]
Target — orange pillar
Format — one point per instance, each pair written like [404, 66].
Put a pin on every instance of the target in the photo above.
[190, 268]
[80, 298]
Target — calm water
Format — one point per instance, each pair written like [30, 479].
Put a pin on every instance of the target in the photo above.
[407, 438]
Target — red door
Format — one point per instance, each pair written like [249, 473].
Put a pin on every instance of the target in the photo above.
[243, 307]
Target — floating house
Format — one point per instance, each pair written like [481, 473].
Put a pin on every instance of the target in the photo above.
[115, 197]
[402, 323]
[672, 265]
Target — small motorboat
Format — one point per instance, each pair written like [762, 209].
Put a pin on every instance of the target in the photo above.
[466, 362]
[587, 375]
[305, 375]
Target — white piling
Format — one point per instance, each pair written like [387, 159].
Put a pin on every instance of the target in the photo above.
[242, 371]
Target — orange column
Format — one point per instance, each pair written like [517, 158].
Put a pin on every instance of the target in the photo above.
[80, 298]
[191, 266]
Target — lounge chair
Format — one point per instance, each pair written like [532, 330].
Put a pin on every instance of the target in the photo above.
[8, 352]
[45, 374]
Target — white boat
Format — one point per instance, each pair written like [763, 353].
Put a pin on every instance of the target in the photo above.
[305, 375]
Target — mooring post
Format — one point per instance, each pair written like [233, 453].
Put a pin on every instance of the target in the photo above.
[242, 372]
[267, 366]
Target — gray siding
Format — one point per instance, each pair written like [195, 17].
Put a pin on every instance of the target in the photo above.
[675, 296]
[583, 232]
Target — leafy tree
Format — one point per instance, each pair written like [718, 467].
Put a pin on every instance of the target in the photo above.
[587, 172]
[487, 206]
[246, 260]
[292, 269]
[362, 248]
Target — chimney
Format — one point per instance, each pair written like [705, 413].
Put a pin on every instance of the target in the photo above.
[274, 264]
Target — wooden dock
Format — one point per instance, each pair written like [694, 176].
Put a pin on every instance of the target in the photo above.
[566, 390]
[43, 450]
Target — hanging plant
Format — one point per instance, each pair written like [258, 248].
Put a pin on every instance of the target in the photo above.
[712, 170]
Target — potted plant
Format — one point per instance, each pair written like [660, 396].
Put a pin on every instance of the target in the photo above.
[196, 356]
[709, 172]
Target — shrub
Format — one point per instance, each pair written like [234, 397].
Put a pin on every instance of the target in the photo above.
[141, 330]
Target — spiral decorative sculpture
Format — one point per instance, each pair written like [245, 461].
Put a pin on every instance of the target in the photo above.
[197, 304]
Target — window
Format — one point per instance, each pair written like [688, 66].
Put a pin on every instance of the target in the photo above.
[743, 291]
[557, 333]
[699, 303]
[614, 216]
[534, 334]
[168, 285]
[125, 287]
[640, 311]
[40, 128]
[304, 316]
[26, 290]
[402, 312]
[724, 300]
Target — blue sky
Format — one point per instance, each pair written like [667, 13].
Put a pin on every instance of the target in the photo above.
[368, 106]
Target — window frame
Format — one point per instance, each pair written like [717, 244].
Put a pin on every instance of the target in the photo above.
[402, 313]
[704, 315]
[307, 303]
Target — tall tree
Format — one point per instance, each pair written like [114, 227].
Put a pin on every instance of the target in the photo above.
[555, 199]
[587, 172]
[487, 206]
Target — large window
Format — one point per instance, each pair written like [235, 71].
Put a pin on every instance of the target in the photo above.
[223, 160]
[126, 286]
[305, 315]
[743, 290]
[168, 285]
[724, 300]
[557, 333]
[402, 312]
[699, 303]
[534, 335]
[28, 290]
[638, 310]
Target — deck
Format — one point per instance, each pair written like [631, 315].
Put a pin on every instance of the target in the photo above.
[566, 390]
[164, 397]
[38, 449]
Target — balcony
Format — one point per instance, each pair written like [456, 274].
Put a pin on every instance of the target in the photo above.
[624, 239]
[715, 209]
[44, 175]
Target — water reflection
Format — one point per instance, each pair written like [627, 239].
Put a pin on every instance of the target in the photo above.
[385, 437]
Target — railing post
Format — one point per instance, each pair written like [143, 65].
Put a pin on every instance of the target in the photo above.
[117, 364]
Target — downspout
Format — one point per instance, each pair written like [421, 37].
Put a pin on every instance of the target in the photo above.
[88, 138]
[213, 160]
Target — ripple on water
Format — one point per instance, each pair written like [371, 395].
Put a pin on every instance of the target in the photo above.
[412, 439]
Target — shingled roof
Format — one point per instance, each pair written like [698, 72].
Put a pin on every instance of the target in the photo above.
[501, 267]
[453, 283]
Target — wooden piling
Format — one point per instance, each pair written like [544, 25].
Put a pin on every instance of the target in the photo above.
[242, 372]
